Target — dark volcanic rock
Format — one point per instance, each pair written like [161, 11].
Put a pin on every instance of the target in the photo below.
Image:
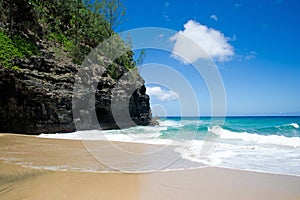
[38, 98]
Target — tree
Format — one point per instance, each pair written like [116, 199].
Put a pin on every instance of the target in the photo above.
[112, 11]
[77, 18]
[141, 57]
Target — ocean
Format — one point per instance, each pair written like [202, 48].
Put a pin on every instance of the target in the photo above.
[262, 144]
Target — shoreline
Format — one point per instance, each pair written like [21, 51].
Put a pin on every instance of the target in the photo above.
[133, 143]
[17, 182]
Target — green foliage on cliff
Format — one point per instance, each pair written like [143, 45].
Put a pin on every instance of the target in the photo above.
[26, 47]
[14, 47]
[67, 44]
[7, 50]
[75, 26]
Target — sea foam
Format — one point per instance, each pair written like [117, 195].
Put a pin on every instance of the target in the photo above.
[257, 148]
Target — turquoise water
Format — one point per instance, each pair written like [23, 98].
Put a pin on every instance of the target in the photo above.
[281, 126]
[265, 144]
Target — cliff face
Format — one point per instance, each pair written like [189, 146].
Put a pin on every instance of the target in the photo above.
[38, 93]
[37, 98]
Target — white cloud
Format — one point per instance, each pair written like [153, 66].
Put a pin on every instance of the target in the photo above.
[160, 94]
[214, 17]
[246, 55]
[164, 13]
[197, 41]
[166, 17]
[233, 38]
[251, 55]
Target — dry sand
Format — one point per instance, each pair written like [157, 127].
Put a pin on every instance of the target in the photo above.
[17, 182]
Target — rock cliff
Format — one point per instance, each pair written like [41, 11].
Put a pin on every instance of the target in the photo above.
[37, 98]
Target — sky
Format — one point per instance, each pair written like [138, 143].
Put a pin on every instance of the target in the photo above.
[253, 44]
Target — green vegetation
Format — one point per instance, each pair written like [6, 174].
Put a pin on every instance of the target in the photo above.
[14, 47]
[25, 47]
[78, 26]
[74, 26]
[67, 44]
[7, 50]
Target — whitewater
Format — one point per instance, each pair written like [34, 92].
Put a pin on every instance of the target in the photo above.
[262, 144]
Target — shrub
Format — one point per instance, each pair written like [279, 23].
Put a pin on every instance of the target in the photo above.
[14, 47]
[8, 51]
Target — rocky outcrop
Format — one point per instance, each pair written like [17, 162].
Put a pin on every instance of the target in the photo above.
[37, 98]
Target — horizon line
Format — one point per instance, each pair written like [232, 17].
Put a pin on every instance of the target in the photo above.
[231, 116]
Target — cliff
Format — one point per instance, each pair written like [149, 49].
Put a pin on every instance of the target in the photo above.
[37, 98]
[42, 47]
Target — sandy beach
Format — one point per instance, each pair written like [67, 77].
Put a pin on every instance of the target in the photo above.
[20, 179]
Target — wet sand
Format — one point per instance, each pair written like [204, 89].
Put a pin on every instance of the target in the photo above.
[19, 182]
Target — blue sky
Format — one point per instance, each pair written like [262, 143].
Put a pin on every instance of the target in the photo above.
[260, 66]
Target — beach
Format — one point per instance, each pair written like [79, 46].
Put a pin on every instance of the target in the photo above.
[164, 100]
[22, 176]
